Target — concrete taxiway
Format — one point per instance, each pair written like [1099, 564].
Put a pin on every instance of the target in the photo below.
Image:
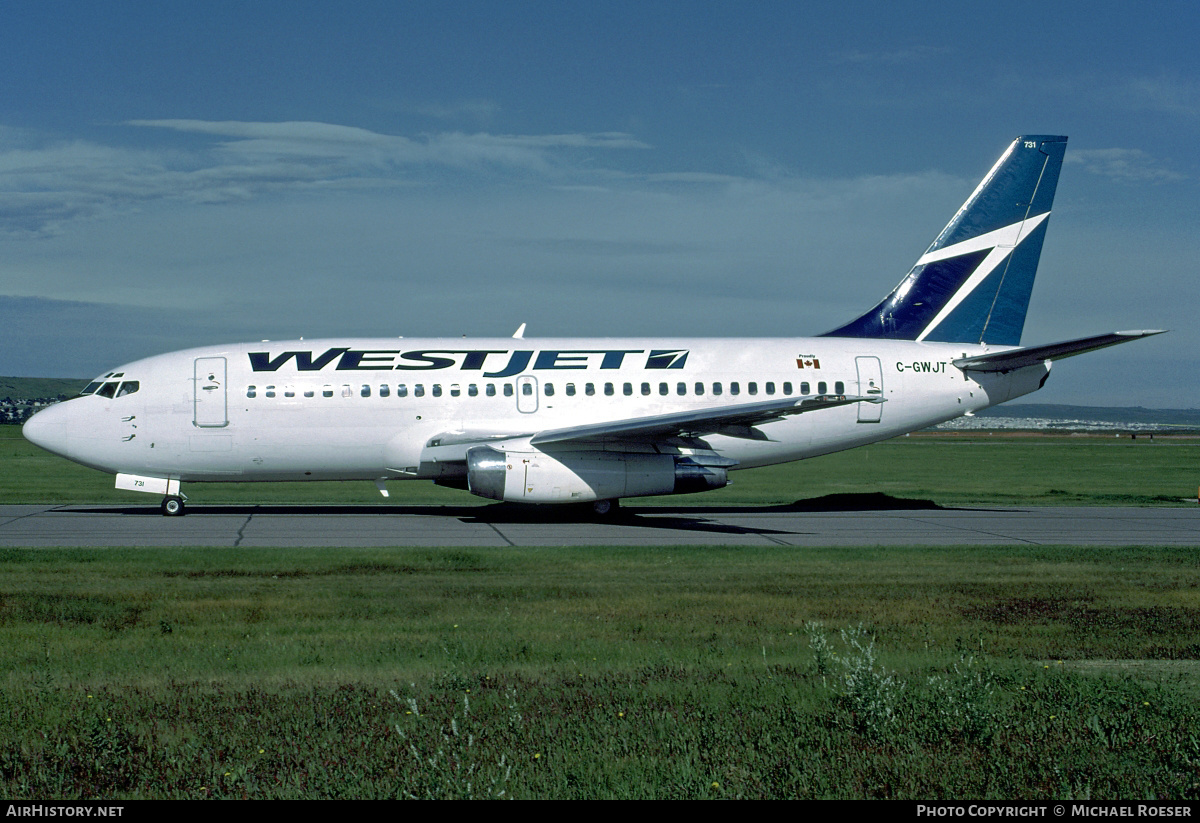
[249, 526]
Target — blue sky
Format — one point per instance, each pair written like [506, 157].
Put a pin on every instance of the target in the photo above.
[178, 174]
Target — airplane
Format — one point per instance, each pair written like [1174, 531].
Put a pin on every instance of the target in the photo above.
[592, 421]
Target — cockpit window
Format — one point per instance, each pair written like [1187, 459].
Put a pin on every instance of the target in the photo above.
[107, 390]
[91, 388]
[128, 387]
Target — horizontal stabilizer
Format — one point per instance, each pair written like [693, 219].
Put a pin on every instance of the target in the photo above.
[1006, 361]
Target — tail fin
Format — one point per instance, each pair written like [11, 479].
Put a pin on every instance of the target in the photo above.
[973, 284]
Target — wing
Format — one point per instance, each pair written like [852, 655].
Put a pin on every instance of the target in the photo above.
[734, 421]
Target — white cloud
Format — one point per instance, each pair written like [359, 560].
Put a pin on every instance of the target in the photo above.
[1125, 165]
[1170, 95]
[347, 244]
[889, 57]
[52, 183]
[478, 110]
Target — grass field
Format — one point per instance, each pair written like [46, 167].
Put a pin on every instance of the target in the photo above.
[946, 469]
[600, 672]
[920, 673]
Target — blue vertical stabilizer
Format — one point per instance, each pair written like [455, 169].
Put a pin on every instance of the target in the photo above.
[973, 283]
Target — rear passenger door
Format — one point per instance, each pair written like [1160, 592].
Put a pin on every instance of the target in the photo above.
[870, 384]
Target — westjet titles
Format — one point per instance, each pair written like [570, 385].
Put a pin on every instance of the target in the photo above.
[466, 360]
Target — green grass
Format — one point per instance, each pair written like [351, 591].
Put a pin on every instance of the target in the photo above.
[946, 469]
[587, 672]
[1006, 673]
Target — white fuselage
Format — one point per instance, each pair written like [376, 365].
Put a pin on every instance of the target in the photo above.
[374, 409]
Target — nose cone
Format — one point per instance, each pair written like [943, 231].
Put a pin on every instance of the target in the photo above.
[48, 429]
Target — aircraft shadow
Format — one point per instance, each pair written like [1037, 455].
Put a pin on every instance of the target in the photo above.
[657, 518]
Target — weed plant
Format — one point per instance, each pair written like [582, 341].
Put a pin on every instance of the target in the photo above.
[659, 732]
[1014, 673]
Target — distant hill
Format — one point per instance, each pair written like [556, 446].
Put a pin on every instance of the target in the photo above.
[32, 388]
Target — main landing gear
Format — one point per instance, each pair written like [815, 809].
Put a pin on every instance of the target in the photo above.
[606, 508]
[172, 506]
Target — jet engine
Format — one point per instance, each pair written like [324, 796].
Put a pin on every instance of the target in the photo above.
[583, 476]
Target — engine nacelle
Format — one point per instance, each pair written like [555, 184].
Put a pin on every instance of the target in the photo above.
[580, 477]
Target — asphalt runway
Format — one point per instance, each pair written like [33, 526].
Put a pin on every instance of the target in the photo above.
[249, 526]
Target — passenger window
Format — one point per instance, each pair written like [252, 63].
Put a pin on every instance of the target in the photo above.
[570, 390]
[717, 388]
[664, 389]
[402, 390]
[608, 389]
[770, 387]
[289, 391]
[699, 389]
[839, 387]
[365, 391]
[419, 390]
[252, 391]
[645, 388]
[804, 388]
[309, 393]
[455, 390]
[821, 387]
[270, 391]
[627, 389]
[472, 390]
[327, 391]
[346, 390]
[508, 390]
[752, 388]
[491, 390]
[549, 389]
[589, 389]
[681, 389]
[527, 389]
[385, 390]
[735, 388]
[437, 389]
